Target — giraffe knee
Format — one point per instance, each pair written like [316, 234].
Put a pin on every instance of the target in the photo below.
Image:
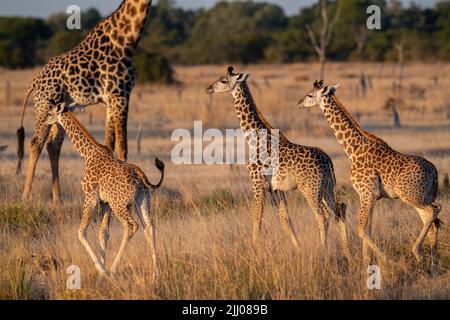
[36, 145]
[361, 230]
[133, 227]
[82, 232]
[103, 235]
[341, 211]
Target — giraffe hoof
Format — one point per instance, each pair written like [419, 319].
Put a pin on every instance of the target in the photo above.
[417, 254]
[102, 273]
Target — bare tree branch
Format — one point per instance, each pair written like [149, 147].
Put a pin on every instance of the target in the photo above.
[312, 37]
[326, 31]
[335, 19]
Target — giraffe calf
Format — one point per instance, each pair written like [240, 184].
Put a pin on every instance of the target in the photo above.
[118, 186]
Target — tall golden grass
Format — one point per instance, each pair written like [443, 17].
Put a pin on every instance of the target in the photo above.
[203, 212]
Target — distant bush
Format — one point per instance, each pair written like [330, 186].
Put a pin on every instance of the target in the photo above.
[152, 67]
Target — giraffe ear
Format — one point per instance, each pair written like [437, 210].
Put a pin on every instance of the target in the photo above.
[329, 90]
[242, 77]
[60, 107]
[318, 84]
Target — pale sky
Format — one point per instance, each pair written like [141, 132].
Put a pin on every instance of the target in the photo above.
[43, 8]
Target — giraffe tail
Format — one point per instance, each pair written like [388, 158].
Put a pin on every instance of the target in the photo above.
[160, 166]
[21, 131]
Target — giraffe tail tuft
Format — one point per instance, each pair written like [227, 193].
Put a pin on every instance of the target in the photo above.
[438, 223]
[21, 130]
[20, 148]
[160, 166]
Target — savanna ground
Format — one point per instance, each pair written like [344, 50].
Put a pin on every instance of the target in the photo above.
[202, 212]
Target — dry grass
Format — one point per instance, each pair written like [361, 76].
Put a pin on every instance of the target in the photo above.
[203, 222]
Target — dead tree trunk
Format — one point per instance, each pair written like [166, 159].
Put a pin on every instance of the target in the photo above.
[326, 32]
[8, 93]
[138, 140]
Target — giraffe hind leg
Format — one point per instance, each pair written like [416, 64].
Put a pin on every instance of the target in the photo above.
[430, 227]
[54, 144]
[36, 145]
[130, 228]
[143, 211]
[285, 219]
[103, 235]
[322, 217]
[339, 211]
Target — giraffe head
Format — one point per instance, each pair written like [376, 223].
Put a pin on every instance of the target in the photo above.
[318, 92]
[228, 82]
[54, 114]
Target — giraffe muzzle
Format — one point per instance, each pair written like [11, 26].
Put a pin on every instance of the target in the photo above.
[209, 90]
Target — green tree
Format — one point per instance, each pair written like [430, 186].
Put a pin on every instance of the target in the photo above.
[19, 39]
[233, 32]
[152, 67]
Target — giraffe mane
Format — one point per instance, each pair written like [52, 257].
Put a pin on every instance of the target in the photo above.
[87, 134]
[260, 115]
[356, 124]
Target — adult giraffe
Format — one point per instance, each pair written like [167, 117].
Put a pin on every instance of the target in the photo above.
[98, 70]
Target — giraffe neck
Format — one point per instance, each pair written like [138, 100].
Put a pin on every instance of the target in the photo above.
[81, 139]
[248, 114]
[127, 22]
[347, 131]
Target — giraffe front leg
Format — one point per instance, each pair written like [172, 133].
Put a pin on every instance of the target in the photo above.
[89, 204]
[54, 144]
[364, 229]
[258, 182]
[257, 208]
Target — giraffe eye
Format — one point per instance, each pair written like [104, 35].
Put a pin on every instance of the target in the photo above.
[223, 81]
[309, 96]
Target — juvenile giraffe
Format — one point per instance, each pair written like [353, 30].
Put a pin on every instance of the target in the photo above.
[379, 171]
[117, 185]
[307, 168]
[98, 70]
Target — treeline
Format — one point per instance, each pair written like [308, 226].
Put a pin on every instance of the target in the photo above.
[246, 32]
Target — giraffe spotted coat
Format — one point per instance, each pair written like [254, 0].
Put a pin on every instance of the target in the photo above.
[307, 168]
[117, 185]
[379, 171]
[98, 70]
